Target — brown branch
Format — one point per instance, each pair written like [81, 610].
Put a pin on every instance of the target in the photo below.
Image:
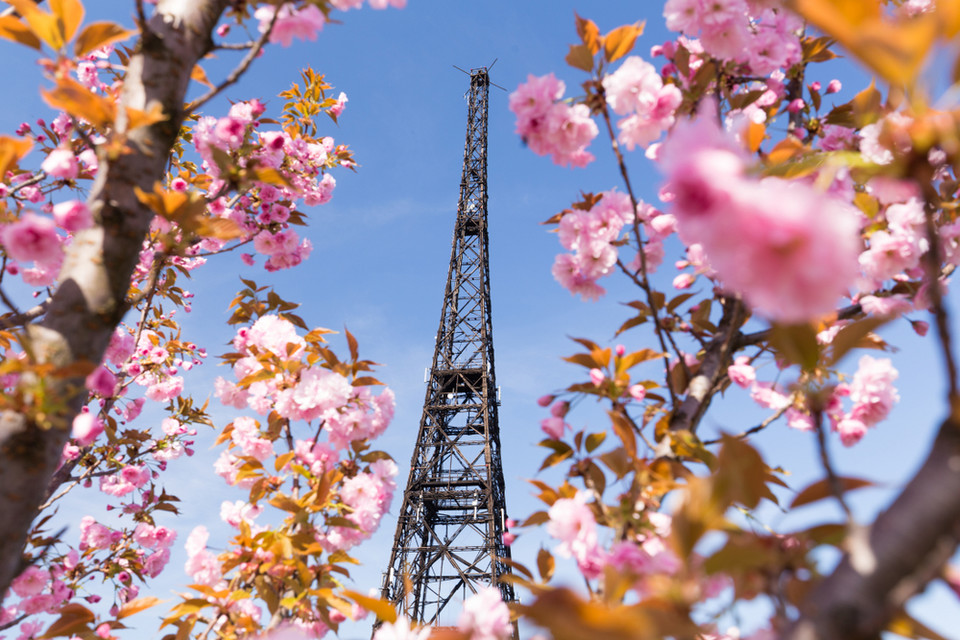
[21, 318]
[713, 367]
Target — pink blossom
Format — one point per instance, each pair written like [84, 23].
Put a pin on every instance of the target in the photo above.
[597, 377]
[893, 305]
[790, 249]
[833, 86]
[872, 390]
[154, 564]
[741, 372]
[637, 391]
[684, 281]
[30, 582]
[153, 537]
[851, 430]
[764, 394]
[233, 513]
[319, 390]
[32, 238]
[61, 163]
[485, 616]
[553, 427]
[890, 254]
[121, 347]
[572, 522]
[837, 137]
[201, 564]
[637, 91]
[402, 629]
[94, 535]
[338, 108]
[271, 333]
[102, 382]
[86, 427]
[72, 215]
[165, 389]
[291, 23]
[552, 128]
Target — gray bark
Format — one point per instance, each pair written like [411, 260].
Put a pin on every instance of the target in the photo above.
[91, 298]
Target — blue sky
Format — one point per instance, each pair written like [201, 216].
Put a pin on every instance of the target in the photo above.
[382, 247]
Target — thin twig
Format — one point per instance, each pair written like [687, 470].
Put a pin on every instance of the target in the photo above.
[237, 46]
[836, 488]
[643, 281]
[923, 173]
[240, 69]
[37, 177]
[752, 430]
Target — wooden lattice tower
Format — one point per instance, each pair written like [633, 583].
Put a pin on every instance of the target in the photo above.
[449, 534]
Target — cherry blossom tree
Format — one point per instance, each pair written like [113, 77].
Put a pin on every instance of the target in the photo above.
[135, 190]
[805, 229]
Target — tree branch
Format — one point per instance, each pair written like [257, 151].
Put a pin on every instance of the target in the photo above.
[895, 557]
[713, 366]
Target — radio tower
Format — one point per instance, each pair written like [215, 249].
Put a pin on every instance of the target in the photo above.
[449, 534]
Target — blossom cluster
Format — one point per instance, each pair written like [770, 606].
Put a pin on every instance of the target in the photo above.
[637, 91]
[551, 126]
[591, 235]
[790, 249]
[748, 32]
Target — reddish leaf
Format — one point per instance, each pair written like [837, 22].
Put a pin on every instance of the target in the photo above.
[821, 489]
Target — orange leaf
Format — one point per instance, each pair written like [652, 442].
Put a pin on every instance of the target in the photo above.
[754, 135]
[785, 150]
[137, 118]
[80, 102]
[99, 34]
[589, 34]
[620, 41]
[43, 24]
[11, 150]
[949, 14]
[381, 608]
[73, 619]
[13, 29]
[70, 14]
[625, 431]
[199, 75]
[894, 48]
[821, 489]
[138, 605]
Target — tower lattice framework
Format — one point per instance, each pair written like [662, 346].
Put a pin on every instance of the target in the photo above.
[448, 542]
